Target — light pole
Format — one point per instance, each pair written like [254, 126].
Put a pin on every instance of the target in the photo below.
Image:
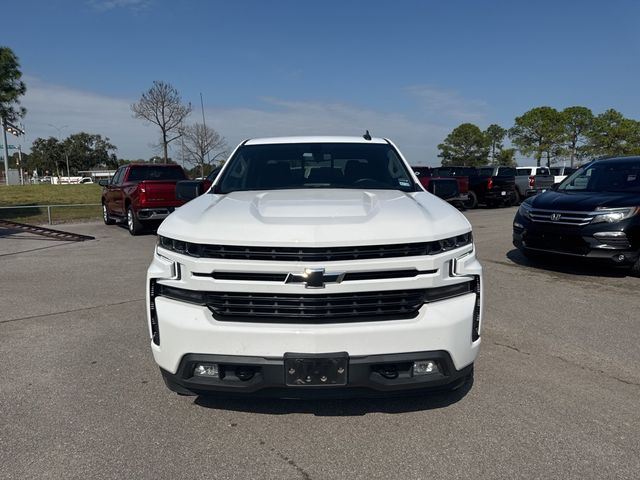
[59, 129]
[15, 131]
[6, 151]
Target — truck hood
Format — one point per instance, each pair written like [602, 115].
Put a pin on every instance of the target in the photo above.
[314, 218]
[583, 201]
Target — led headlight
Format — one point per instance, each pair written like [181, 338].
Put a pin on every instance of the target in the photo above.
[458, 241]
[614, 215]
[525, 210]
[179, 246]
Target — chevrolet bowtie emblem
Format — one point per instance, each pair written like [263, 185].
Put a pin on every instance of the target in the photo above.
[315, 277]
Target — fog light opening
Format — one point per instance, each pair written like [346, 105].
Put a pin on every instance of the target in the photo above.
[245, 373]
[209, 370]
[388, 371]
[425, 367]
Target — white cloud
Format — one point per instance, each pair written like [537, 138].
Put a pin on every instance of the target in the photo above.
[72, 111]
[77, 111]
[447, 103]
[106, 5]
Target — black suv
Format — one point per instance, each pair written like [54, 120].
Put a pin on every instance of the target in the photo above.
[595, 213]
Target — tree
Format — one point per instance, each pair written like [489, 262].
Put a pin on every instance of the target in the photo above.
[86, 151]
[539, 131]
[506, 157]
[495, 135]
[577, 123]
[465, 145]
[162, 106]
[11, 86]
[47, 155]
[613, 134]
[203, 145]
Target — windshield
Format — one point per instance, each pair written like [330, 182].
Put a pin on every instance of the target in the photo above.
[623, 177]
[315, 165]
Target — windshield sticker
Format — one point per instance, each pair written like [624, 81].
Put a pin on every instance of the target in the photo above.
[404, 183]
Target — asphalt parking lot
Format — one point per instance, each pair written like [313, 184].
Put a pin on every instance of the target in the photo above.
[556, 392]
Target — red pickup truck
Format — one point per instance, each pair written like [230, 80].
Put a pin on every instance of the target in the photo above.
[141, 195]
[452, 189]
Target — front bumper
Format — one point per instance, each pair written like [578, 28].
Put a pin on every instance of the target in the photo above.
[367, 376]
[180, 330]
[569, 242]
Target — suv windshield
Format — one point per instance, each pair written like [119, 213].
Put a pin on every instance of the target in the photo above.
[315, 165]
[623, 177]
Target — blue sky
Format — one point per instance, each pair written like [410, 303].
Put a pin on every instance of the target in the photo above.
[408, 70]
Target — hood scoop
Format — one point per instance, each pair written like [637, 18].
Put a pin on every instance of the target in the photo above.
[330, 204]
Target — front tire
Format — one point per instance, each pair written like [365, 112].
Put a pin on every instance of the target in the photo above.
[106, 217]
[134, 225]
[471, 202]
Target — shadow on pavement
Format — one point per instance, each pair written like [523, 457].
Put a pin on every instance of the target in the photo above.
[570, 265]
[337, 407]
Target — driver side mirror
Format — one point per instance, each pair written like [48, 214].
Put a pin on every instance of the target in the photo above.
[103, 182]
[555, 186]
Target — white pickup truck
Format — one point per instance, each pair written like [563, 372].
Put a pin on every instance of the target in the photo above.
[312, 267]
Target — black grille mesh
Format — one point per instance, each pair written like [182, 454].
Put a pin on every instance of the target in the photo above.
[359, 306]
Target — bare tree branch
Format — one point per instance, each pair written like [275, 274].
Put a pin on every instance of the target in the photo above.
[162, 106]
[203, 144]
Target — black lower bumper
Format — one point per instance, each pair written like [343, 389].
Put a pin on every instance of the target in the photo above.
[367, 376]
[575, 249]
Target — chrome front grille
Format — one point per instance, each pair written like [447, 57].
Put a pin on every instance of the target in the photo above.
[561, 217]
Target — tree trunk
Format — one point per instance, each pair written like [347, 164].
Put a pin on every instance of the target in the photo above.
[164, 147]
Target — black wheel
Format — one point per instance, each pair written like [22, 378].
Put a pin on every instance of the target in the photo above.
[517, 198]
[133, 224]
[106, 217]
[471, 202]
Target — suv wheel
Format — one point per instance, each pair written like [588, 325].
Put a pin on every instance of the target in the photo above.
[106, 217]
[133, 224]
[472, 201]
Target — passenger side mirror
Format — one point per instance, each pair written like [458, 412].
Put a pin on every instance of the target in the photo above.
[103, 182]
[189, 189]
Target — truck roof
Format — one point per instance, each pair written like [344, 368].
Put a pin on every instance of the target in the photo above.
[313, 139]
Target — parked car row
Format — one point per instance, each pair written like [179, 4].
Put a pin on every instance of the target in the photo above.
[144, 194]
